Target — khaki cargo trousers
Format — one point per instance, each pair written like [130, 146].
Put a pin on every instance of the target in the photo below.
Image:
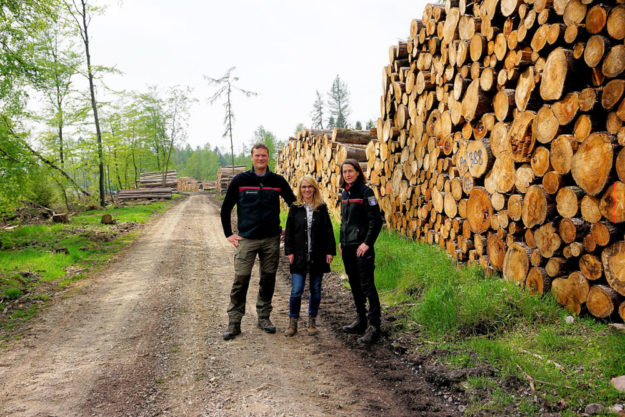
[268, 251]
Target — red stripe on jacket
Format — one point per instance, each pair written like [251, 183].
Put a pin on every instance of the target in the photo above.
[258, 188]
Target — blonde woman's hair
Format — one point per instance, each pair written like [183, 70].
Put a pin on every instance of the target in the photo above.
[316, 198]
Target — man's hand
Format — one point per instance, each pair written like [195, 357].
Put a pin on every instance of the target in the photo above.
[329, 259]
[291, 257]
[282, 235]
[362, 249]
[340, 249]
[234, 239]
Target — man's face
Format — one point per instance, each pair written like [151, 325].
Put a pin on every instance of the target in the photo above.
[260, 157]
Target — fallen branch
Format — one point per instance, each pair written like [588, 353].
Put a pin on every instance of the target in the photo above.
[530, 380]
[6, 309]
[557, 365]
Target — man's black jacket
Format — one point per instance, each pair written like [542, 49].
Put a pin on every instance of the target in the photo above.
[258, 204]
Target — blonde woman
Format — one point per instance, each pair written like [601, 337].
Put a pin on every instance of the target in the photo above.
[310, 246]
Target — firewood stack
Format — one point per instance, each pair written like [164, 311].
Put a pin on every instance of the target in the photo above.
[151, 193]
[155, 179]
[208, 185]
[226, 173]
[188, 184]
[501, 139]
[320, 153]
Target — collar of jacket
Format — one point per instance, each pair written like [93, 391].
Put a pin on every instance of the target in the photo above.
[251, 171]
[355, 185]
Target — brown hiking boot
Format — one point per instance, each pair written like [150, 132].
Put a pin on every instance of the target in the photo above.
[265, 324]
[292, 327]
[372, 334]
[358, 326]
[233, 330]
[312, 326]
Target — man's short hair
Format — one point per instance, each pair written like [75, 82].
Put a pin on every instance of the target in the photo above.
[260, 145]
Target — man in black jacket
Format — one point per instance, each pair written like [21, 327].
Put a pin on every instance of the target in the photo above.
[256, 193]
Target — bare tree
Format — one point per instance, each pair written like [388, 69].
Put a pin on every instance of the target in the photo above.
[178, 104]
[81, 12]
[225, 86]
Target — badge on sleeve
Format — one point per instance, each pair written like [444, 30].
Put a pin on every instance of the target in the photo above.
[372, 201]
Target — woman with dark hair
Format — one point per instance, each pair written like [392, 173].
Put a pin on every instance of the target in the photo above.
[310, 246]
[360, 226]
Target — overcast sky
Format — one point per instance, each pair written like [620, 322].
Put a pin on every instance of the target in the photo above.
[283, 50]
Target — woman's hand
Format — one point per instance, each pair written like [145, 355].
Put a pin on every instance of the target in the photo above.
[329, 259]
[340, 249]
[291, 257]
[362, 249]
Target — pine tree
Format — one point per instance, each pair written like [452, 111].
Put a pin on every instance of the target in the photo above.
[338, 103]
[331, 123]
[358, 125]
[317, 113]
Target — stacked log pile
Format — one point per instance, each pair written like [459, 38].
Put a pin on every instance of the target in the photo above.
[320, 153]
[145, 193]
[225, 175]
[188, 184]
[208, 185]
[155, 179]
[501, 139]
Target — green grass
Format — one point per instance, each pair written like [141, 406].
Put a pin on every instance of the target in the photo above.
[57, 254]
[487, 321]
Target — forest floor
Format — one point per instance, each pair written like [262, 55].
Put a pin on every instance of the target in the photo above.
[142, 337]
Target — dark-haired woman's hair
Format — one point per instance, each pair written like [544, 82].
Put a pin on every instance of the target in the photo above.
[356, 166]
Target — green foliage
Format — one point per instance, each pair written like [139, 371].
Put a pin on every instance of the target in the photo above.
[60, 253]
[12, 293]
[264, 136]
[488, 322]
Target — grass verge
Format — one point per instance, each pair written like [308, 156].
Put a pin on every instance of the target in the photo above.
[36, 260]
[535, 361]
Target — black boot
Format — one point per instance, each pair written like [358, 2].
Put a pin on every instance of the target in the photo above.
[372, 334]
[358, 326]
[233, 330]
[265, 324]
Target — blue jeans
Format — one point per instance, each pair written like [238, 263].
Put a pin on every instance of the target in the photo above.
[298, 281]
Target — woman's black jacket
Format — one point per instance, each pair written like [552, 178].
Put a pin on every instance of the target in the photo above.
[296, 239]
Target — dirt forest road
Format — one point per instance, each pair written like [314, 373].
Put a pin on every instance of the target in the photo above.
[143, 338]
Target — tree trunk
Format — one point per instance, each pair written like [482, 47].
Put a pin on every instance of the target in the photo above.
[547, 240]
[538, 282]
[479, 210]
[559, 63]
[612, 204]
[601, 301]
[592, 163]
[571, 292]
[613, 259]
[590, 266]
[536, 206]
[516, 263]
